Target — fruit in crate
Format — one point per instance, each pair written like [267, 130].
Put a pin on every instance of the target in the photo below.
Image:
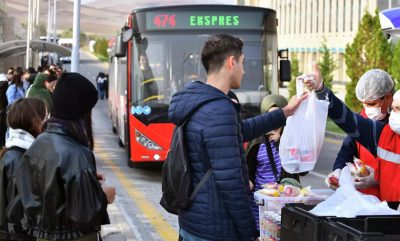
[306, 191]
[289, 187]
[270, 192]
[273, 185]
[291, 191]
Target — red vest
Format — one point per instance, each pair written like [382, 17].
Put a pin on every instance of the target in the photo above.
[369, 160]
[389, 165]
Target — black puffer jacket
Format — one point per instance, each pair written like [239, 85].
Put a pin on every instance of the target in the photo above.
[10, 204]
[60, 193]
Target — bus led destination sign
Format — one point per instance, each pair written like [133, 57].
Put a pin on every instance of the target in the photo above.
[220, 21]
[203, 20]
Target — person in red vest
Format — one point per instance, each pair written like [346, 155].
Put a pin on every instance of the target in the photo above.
[375, 91]
[382, 140]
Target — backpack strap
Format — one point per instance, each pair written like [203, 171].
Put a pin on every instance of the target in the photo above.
[201, 183]
[209, 171]
[271, 158]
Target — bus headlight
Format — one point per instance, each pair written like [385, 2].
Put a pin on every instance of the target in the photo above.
[146, 142]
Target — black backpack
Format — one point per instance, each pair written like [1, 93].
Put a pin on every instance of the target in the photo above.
[177, 176]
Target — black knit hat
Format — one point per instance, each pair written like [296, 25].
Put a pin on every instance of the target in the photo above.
[73, 97]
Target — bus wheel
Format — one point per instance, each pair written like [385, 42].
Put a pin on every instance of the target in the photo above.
[120, 143]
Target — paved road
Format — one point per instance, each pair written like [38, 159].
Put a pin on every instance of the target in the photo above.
[139, 190]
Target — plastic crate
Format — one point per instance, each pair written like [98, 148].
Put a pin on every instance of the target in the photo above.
[299, 224]
[270, 211]
[369, 228]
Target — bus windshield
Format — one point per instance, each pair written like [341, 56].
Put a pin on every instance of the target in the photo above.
[164, 63]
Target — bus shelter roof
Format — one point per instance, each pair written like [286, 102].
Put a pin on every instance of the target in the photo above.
[19, 47]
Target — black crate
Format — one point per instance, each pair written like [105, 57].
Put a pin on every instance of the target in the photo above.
[299, 224]
[369, 228]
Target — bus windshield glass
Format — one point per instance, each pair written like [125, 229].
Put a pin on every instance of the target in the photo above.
[164, 63]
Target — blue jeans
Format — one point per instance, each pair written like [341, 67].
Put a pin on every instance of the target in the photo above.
[101, 90]
[189, 237]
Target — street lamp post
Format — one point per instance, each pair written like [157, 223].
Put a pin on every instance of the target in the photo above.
[29, 34]
[76, 37]
[54, 21]
[48, 20]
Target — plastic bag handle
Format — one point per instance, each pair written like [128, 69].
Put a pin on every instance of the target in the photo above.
[299, 85]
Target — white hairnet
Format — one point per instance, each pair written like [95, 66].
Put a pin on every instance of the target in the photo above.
[373, 84]
[396, 95]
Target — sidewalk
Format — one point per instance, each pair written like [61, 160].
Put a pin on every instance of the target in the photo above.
[119, 229]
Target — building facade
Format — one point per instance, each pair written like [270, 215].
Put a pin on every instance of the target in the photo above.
[303, 25]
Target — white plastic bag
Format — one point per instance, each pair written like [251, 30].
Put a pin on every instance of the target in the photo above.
[303, 135]
[348, 202]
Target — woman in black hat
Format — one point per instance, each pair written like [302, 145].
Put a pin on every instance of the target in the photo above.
[61, 194]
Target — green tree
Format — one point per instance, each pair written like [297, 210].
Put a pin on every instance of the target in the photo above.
[101, 47]
[394, 69]
[369, 50]
[68, 33]
[42, 29]
[83, 39]
[326, 65]
[295, 72]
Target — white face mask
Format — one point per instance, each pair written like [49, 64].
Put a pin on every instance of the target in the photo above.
[374, 113]
[394, 121]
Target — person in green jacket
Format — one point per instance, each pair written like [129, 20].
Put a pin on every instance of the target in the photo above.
[42, 88]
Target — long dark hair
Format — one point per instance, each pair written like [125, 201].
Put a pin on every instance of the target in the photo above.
[17, 77]
[80, 129]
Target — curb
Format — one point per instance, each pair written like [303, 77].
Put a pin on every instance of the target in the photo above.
[118, 229]
[334, 135]
[112, 232]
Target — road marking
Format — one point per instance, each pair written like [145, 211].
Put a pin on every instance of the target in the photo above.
[317, 174]
[163, 228]
[333, 141]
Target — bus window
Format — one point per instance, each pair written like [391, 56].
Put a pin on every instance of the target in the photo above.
[169, 61]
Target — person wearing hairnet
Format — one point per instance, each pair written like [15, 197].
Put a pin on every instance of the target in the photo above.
[382, 140]
[375, 90]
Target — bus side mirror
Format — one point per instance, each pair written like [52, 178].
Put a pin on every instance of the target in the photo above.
[285, 73]
[120, 47]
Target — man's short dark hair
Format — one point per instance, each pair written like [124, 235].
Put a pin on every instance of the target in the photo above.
[50, 76]
[217, 48]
